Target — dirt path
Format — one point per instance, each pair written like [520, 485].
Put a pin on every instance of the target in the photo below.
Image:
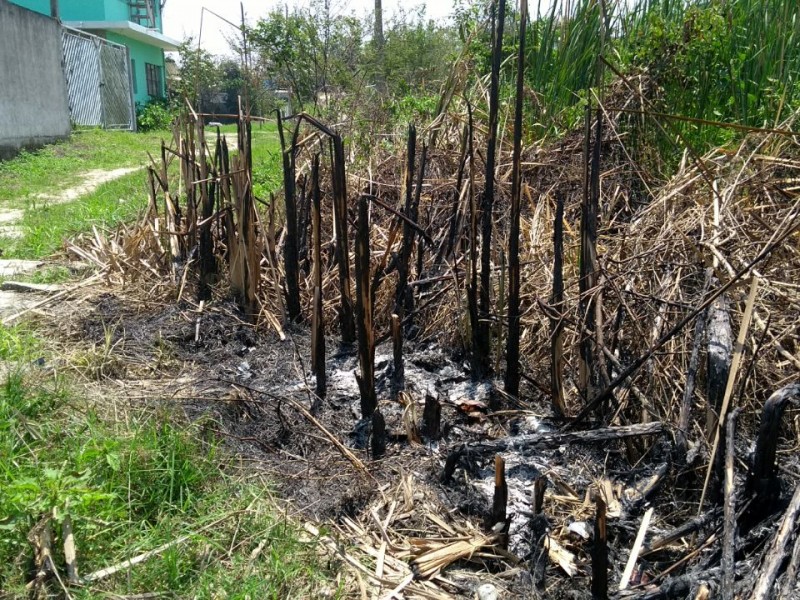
[91, 180]
[13, 301]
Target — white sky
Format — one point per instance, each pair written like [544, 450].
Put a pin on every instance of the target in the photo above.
[182, 17]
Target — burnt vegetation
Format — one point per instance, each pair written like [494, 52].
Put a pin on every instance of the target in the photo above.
[558, 360]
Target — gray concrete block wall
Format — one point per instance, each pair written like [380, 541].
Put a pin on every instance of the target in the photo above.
[34, 108]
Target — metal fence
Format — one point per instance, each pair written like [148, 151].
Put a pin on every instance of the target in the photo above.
[98, 81]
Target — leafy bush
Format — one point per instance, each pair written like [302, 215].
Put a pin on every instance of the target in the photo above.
[156, 114]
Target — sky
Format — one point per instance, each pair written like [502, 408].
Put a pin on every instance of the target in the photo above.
[182, 17]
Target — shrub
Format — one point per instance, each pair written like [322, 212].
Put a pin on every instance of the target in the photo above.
[156, 114]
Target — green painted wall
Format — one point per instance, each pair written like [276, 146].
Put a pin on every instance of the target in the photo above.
[88, 10]
[40, 6]
[141, 54]
[70, 10]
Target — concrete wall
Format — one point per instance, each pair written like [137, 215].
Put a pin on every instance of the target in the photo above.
[33, 92]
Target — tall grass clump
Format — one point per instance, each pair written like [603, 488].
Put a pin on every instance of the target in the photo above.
[736, 61]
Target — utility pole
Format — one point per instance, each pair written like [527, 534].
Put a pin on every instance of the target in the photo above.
[54, 12]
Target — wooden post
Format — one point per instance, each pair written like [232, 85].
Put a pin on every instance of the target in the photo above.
[54, 10]
[512, 343]
[556, 322]
[317, 319]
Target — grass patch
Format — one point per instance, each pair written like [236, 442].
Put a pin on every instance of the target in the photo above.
[132, 480]
[63, 164]
[45, 226]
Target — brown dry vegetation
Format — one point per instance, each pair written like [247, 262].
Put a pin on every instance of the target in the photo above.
[716, 242]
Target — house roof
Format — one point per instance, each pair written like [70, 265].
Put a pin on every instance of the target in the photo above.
[130, 30]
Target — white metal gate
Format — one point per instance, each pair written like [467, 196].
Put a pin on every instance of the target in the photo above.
[98, 81]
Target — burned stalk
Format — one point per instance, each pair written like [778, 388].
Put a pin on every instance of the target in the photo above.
[342, 248]
[500, 498]
[589, 364]
[472, 284]
[317, 318]
[401, 302]
[556, 322]
[600, 552]
[208, 262]
[512, 343]
[366, 338]
[483, 347]
[290, 250]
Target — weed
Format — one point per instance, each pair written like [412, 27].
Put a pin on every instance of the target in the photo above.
[102, 360]
[131, 484]
[18, 344]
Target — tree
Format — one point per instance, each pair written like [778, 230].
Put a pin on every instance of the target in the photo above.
[308, 51]
[198, 75]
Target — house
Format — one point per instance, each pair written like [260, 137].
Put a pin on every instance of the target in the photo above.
[135, 24]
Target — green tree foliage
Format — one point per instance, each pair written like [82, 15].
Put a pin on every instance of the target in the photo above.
[308, 51]
[418, 54]
[198, 76]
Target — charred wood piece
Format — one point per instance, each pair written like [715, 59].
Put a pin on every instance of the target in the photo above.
[777, 552]
[431, 418]
[600, 552]
[763, 479]
[500, 498]
[548, 440]
[378, 435]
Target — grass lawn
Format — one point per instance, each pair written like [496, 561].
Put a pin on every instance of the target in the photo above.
[45, 225]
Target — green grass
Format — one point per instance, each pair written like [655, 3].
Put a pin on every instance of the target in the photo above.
[45, 226]
[736, 61]
[132, 480]
[63, 164]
